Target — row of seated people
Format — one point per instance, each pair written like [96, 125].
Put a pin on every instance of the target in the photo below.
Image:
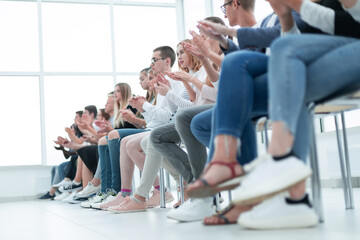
[222, 87]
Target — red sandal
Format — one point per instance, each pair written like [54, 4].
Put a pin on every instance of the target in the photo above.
[205, 189]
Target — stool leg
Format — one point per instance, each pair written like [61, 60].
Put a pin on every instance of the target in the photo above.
[182, 198]
[217, 201]
[162, 189]
[347, 163]
[168, 185]
[266, 134]
[315, 178]
[342, 165]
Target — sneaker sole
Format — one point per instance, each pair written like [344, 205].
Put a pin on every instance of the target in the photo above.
[300, 221]
[261, 196]
[128, 211]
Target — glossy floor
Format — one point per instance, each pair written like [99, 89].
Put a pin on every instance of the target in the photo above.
[57, 220]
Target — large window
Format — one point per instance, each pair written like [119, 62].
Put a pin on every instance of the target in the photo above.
[59, 56]
[20, 139]
[19, 44]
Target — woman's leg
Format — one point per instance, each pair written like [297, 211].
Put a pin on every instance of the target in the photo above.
[153, 161]
[79, 167]
[104, 158]
[87, 175]
[115, 137]
[302, 79]
[241, 81]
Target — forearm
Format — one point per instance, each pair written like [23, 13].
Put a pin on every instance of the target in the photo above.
[287, 22]
[138, 122]
[197, 83]
[191, 92]
[216, 58]
[212, 74]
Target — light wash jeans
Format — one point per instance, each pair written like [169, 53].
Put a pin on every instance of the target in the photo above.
[242, 96]
[109, 156]
[304, 69]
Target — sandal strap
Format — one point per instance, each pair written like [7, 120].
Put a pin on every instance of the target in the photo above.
[230, 165]
[221, 214]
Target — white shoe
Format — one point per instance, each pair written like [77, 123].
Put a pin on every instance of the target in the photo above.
[269, 178]
[276, 213]
[95, 199]
[62, 183]
[192, 210]
[62, 196]
[69, 199]
[89, 190]
[110, 195]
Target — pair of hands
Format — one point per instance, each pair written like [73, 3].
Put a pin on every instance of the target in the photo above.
[164, 85]
[62, 141]
[200, 48]
[137, 102]
[105, 126]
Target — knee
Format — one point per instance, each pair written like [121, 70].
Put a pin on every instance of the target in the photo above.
[284, 45]
[103, 141]
[144, 143]
[114, 134]
[182, 118]
[155, 137]
[131, 145]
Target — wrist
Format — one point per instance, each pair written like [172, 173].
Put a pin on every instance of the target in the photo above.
[224, 43]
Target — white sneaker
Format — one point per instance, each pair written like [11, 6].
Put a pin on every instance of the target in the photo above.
[269, 178]
[110, 195]
[62, 183]
[70, 198]
[276, 213]
[192, 210]
[62, 196]
[89, 190]
[95, 199]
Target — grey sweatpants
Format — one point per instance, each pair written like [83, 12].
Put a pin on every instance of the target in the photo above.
[166, 139]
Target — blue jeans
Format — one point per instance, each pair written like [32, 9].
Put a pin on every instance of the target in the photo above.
[304, 69]
[242, 96]
[58, 173]
[110, 160]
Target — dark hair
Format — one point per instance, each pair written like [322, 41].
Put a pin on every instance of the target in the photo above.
[146, 70]
[167, 52]
[104, 114]
[91, 109]
[80, 113]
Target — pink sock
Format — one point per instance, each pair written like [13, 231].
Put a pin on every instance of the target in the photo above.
[157, 187]
[126, 190]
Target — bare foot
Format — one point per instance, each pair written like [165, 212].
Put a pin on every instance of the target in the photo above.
[217, 173]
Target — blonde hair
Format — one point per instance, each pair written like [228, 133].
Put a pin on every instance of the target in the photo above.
[125, 92]
[193, 60]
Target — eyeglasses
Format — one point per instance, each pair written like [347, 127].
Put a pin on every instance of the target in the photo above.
[223, 7]
[154, 60]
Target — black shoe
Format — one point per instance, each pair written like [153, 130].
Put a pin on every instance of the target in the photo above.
[71, 187]
[68, 154]
[47, 196]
